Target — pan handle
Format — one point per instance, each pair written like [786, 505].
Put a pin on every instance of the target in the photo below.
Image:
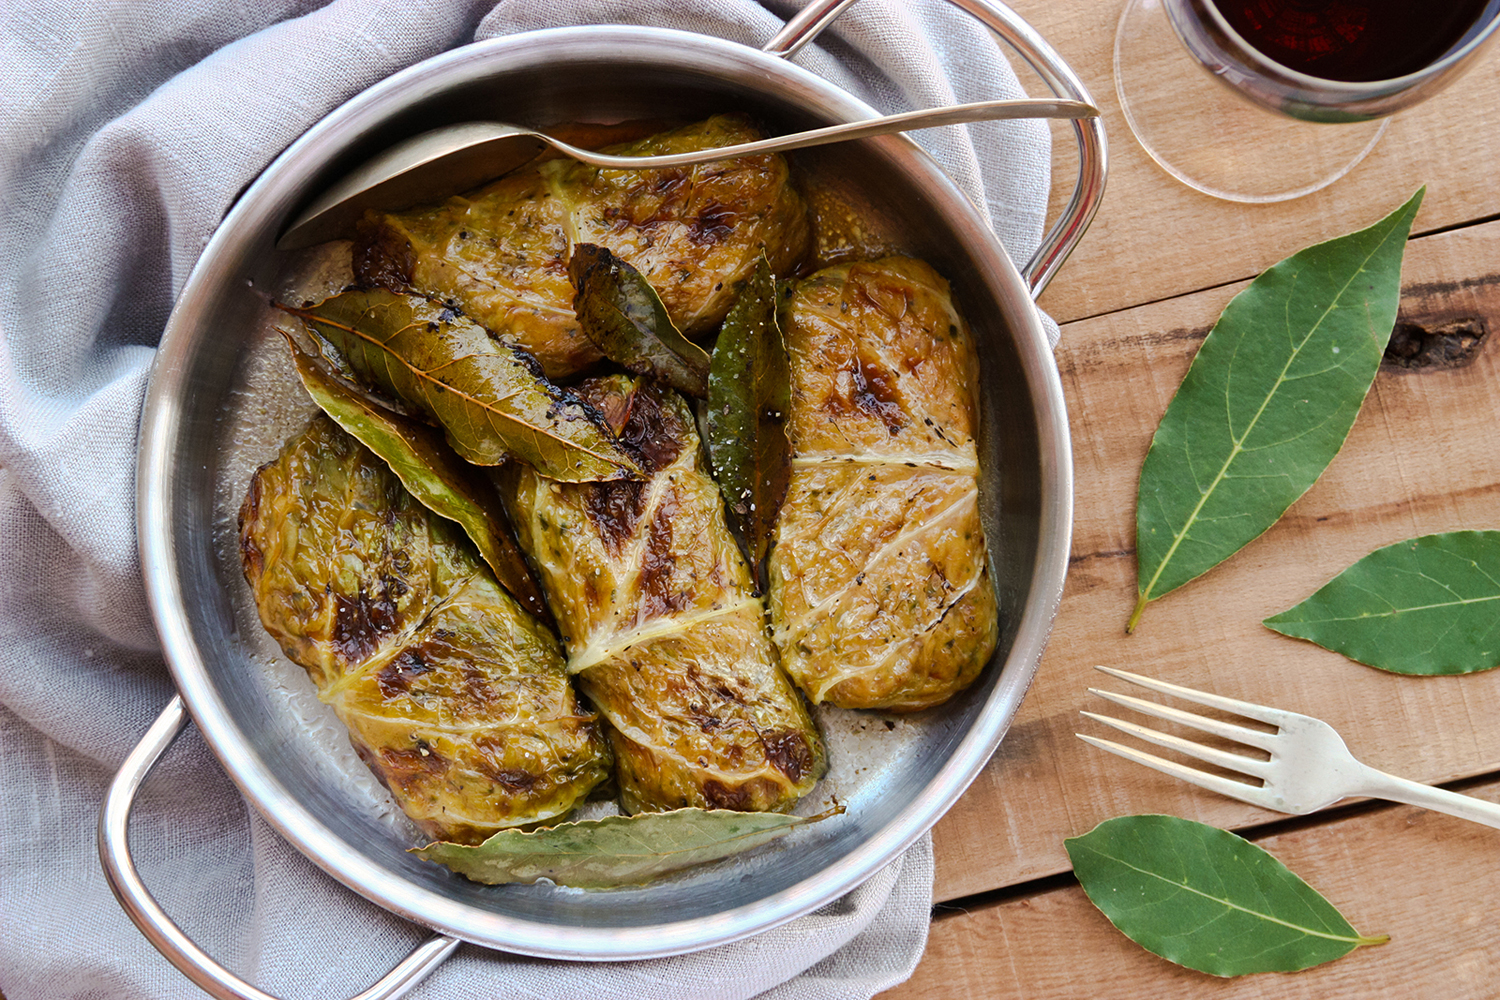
[179, 949]
[1093, 150]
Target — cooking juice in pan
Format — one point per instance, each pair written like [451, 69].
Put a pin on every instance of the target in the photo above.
[1357, 40]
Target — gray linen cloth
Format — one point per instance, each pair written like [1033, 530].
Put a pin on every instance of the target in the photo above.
[126, 131]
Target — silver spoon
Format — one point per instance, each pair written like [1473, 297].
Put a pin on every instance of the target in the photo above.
[445, 161]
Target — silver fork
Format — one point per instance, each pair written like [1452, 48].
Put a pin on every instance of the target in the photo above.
[1310, 767]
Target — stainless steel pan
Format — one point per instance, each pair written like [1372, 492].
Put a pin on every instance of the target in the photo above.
[214, 411]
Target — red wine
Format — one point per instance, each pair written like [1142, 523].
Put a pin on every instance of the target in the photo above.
[1356, 40]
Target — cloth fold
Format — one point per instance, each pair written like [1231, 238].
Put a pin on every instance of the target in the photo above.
[126, 132]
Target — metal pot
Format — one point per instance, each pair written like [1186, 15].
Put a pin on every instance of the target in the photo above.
[194, 453]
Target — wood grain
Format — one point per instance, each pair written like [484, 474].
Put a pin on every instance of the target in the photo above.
[1154, 238]
[1427, 880]
[1422, 457]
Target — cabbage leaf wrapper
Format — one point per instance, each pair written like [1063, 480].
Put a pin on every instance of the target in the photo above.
[455, 697]
[501, 252]
[880, 591]
[664, 630]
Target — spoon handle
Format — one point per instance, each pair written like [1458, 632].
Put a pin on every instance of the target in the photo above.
[957, 114]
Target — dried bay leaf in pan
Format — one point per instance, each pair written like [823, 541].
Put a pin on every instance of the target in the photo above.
[429, 470]
[749, 395]
[1207, 899]
[1267, 402]
[1428, 605]
[490, 399]
[615, 851]
[622, 315]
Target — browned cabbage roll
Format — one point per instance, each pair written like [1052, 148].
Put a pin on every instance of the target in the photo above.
[455, 697]
[665, 633]
[879, 582]
[501, 252]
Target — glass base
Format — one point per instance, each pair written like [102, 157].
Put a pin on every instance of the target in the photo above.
[1209, 137]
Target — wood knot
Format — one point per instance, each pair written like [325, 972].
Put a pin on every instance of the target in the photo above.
[1453, 344]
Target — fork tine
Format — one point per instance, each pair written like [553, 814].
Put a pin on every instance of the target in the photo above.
[1228, 730]
[1260, 713]
[1223, 758]
[1213, 782]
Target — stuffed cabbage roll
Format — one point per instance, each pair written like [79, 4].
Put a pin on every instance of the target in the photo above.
[455, 697]
[664, 630]
[501, 253]
[879, 580]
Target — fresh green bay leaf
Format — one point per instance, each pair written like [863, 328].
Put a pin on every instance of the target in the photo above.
[617, 850]
[490, 399]
[1428, 605]
[1207, 899]
[749, 394]
[624, 317]
[429, 470]
[1267, 402]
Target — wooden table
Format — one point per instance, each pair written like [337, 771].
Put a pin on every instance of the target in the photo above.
[1135, 301]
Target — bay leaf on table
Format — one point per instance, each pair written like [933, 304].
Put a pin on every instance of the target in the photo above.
[490, 399]
[617, 850]
[429, 470]
[749, 395]
[1267, 402]
[622, 315]
[1207, 899]
[1428, 605]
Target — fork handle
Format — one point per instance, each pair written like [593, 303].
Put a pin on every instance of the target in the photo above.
[1378, 784]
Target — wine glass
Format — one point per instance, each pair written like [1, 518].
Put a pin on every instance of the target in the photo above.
[1266, 100]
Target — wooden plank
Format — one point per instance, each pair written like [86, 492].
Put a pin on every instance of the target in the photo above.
[1421, 458]
[1428, 880]
[1155, 238]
